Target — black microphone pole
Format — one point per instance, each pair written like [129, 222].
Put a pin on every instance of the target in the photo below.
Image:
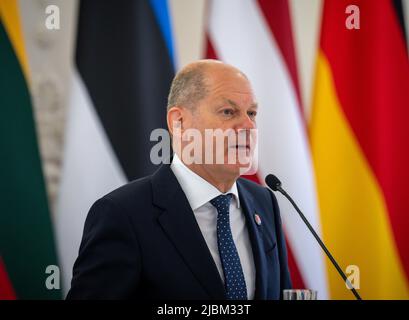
[275, 184]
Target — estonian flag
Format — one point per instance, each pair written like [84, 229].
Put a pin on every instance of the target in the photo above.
[123, 71]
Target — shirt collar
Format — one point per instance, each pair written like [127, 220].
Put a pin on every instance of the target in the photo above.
[197, 190]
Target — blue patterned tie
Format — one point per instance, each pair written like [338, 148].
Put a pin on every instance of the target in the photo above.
[235, 283]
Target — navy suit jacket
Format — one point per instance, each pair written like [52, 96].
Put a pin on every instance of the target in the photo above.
[142, 241]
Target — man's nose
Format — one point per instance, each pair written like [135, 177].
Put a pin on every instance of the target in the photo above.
[247, 123]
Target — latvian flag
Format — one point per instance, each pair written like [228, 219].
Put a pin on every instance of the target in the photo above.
[256, 37]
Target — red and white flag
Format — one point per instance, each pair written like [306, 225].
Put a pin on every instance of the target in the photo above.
[256, 37]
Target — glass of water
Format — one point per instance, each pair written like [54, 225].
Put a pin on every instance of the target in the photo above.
[300, 294]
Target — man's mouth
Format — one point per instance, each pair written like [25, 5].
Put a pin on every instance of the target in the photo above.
[241, 147]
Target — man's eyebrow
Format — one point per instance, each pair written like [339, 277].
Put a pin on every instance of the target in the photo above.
[254, 105]
[232, 103]
[235, 105]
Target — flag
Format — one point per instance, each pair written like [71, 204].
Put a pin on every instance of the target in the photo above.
[256, 37]
[359, 135]
[122, 74]
[26, 235]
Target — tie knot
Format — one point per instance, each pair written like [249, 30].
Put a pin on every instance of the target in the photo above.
[222, 202]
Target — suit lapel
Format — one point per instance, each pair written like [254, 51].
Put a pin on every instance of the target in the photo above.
[257, 241]
[180, 225]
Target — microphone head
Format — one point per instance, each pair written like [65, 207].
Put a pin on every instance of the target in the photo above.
[273, 182]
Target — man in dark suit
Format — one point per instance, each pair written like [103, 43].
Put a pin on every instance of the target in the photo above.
[193, 229]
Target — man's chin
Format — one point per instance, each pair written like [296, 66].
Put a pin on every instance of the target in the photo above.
[237, 169]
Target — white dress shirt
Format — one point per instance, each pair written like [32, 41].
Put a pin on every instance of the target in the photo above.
[199, 192]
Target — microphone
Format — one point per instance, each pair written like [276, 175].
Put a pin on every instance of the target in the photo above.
[275, 184]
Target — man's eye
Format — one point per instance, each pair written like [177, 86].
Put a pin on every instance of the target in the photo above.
[227, 112]
[252, 114]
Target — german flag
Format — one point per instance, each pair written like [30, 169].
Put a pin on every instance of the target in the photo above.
[359, 137]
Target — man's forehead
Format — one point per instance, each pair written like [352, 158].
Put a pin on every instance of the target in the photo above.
[228, 78]
[231, 86]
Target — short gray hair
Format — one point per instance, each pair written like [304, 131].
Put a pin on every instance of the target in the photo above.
[188, 88]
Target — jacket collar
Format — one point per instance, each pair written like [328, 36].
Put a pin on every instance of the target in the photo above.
[257, 238]
[180, 225]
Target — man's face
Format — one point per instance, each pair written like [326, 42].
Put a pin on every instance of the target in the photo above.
[229, 106]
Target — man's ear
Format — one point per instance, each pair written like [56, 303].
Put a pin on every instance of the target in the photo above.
[174, 118]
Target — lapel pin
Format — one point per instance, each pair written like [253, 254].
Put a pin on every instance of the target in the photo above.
[257, 219]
